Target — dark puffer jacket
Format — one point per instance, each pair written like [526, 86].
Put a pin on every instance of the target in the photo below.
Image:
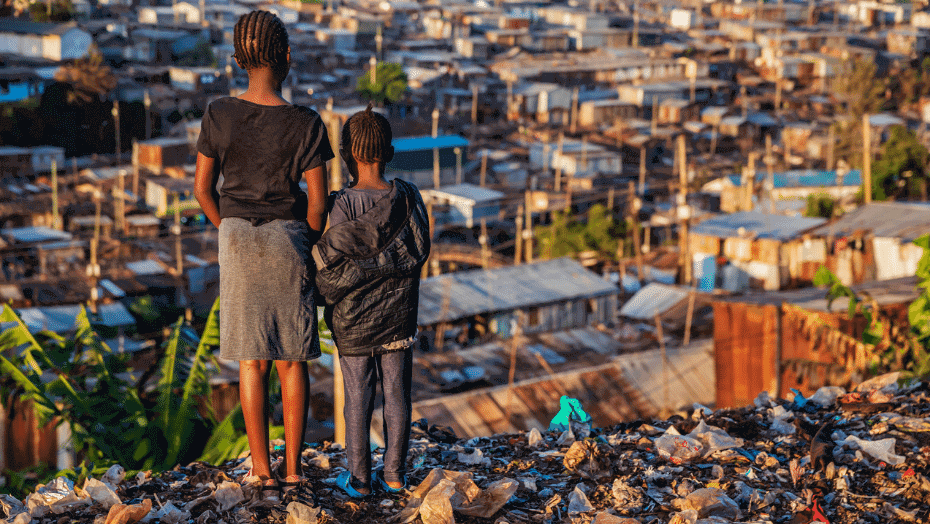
[368, 272]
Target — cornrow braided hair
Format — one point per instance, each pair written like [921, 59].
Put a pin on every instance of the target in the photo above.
[260, 39]
[366, 135]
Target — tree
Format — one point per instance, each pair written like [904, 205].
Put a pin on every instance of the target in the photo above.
[89, 77]
[901, 170]
[568, 237]
[820, 205]
[389, 86]
[860, 92]
[51, 11]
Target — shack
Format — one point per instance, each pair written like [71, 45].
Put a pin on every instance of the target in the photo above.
[793, 339]
[755, 249]
[873, 242]
[542, 296]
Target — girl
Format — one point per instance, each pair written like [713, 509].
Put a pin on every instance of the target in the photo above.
[263, 146]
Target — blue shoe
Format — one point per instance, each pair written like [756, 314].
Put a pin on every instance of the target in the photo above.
[377, 479]
[344, 481]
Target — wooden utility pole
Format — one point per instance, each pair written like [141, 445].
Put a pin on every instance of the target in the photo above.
[56, 218]
[642, 169]
[636, 24]
[458, 165]
[93, 271]
[147, 103]
[484, 168]
[116, 130]
[633, 206]
[483, 241]
[654, 123]
[747, 186]
[120, 202]
[866, 159]
[474, 105]
[179, 254]
[436, 181]
[684, 211]
[831, 148]
[574, 115]
[518, 238]
[558, 163]
[528, 226]
[770, 172]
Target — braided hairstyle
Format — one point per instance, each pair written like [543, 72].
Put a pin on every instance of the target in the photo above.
[366, 136]
[260, 40]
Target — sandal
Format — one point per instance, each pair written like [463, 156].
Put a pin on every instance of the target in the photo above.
[291, 482]
[270, 488]
[377, 479]
[344, 482]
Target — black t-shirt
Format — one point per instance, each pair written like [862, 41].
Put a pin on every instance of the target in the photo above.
[263, 152]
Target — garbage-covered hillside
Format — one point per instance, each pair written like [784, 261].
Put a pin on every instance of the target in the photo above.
[839, 457]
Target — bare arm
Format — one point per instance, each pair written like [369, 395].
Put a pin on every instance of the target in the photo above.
[316, 198]
[208, 172]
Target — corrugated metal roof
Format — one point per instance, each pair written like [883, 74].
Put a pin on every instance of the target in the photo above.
[764, 225]
[469, 192]
[145, 267]
[60, 319]
[423, 143]
[906, 221]
[627, 387]
[884, 292]
[35, 234]
[508, 288]
[652, 300]
[806, 178]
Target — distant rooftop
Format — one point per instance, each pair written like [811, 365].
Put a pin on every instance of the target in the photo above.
[506, 289]
[422, 143]
[903, 220]
[765, 226]
[467, 192]
[31, 235]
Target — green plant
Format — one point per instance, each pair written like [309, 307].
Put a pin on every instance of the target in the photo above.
[83, 383]
[896, 348]
[389, 85]
[568, 237]
[820, 205]
[901, 170]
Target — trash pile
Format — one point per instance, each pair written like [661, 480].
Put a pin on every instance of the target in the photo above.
[840, 457]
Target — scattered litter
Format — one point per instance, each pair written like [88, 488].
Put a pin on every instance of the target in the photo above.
[775, 461]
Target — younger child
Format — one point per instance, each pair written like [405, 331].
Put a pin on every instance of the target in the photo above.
[368, 266]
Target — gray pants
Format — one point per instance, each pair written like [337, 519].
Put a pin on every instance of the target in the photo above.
[361, 376]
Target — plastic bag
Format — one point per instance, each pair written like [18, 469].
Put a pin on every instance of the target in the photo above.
[606, 518]
[298, 513]
[780, 419]
[713, 502]
[114, 476]
[228, 494]
[437, 505]
[589, 459]
[713, 438]
[677, 448]
[101, 493]
[123, 514]
[578, 502]
[570, 411]
[879, 449]
[475, 458]
[827, 395]
[887, 382]
[533, 437]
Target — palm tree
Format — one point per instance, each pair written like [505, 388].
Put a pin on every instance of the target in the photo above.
[387, 86]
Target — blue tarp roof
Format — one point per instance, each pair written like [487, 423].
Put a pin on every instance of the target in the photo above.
[776, 227]
[806, 178]
[422, 143]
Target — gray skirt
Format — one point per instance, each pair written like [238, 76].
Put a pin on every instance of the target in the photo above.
[267, 310]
